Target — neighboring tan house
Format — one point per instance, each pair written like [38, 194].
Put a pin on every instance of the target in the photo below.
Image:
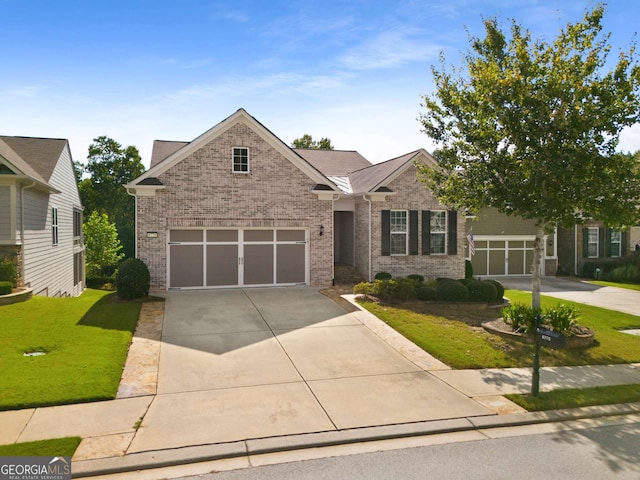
[504, 245]
[41, 215]
[238, 207]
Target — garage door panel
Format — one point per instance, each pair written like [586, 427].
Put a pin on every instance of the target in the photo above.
[516, 262]
[258, 264]
[222, 265]
[290, 265]
[185, 265]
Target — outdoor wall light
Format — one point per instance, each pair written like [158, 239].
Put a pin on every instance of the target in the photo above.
[321, 230]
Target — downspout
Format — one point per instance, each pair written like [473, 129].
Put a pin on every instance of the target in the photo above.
[333, 238]
[369, 243]
[22, 189]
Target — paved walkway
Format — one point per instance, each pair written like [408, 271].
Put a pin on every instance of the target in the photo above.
[282, 378]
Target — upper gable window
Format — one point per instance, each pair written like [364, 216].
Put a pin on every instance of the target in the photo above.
[240, 160]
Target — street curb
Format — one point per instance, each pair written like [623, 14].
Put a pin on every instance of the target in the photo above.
[203, 453]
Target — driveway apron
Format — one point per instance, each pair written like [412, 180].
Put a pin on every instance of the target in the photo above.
[240, 364]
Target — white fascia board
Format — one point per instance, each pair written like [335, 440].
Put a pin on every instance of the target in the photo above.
[143, 190]
[241, 116]
[420, 154]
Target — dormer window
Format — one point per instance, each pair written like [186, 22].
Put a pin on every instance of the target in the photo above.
[240, 160]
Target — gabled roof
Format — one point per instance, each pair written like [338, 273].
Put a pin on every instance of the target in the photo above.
[162, 149]
[337, 163]
[374, 177]
[32, 158]
[240, 116]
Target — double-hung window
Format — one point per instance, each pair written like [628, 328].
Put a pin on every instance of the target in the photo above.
[54, 226]
[592, 242]
[240, 160]
[438, 232]
[615, 247]
[399, 232]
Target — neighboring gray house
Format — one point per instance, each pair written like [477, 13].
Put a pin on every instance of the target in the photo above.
[41, 215]
[238, 207]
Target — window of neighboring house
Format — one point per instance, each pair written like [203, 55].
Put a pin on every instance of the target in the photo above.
[615, 248]
[77, 267]
[54, 226]
[399, 235]
[592, 242]
[77, 227]
[240, 160]
[438, 232]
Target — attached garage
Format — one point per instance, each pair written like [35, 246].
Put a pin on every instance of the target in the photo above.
[213, 258]
[500, 256]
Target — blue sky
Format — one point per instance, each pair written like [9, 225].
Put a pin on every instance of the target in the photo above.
[353, 71]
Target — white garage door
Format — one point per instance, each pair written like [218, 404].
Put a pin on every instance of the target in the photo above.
[209, 258]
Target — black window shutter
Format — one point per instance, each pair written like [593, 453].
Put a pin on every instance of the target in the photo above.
[607, 242]
[413, 232]
[602, 242]
[585, 242]
[452, 237]
[624, 247]
[426, 232]
[386, 232]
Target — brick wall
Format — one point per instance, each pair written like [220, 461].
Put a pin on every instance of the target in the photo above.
[201, 191]
[410, 195]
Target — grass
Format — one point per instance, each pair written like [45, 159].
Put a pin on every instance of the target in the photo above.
[85, 340]
[461, 345]
[628, 286]
[573, 398]
[57, 447]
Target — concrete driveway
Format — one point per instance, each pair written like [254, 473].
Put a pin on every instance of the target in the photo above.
[241, 364]
[613, 298]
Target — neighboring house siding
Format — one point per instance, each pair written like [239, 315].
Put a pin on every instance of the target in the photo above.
[48, 268]
[412, 195]
[201, 191]
[7, 212]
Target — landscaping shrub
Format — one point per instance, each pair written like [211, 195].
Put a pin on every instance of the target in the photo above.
[453, 291]
[482, 291]
[133, 279]
[416, 277]
[383, 276]
[99, 283]
[468, 269]
[499, 289]
[6, 288]
[522, 318]
[398, 288]
[625, 274]
[363, 288]
[561, 317]
[8, 272]
[426, 293]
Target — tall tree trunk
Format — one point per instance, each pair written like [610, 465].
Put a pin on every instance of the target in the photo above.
[538, 252]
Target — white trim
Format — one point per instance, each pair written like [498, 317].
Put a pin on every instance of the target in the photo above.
[240, 116]
[233, 161]
[405, 233]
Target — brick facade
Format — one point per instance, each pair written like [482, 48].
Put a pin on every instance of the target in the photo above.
[410, 194]
[202, 191]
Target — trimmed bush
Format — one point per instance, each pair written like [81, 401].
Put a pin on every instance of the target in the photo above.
[363, 288]
[6, 288]
[133, 279]
[383, 276]
[468, 269]
[482, 291]
[453, 291]
[426, 293]
[416, 277]
[8, 272]
[499, 289]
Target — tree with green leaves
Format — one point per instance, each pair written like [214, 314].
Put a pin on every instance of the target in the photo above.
[531, 128]
[307, 141]
[102, 246]
[110, 166]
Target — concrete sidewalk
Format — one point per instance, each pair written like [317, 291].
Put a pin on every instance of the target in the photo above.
[183, 418]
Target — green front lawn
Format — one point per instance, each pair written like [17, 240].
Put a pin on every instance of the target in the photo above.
[460, 345]
[629, 286]
[57, 447]
[573, 398]
[85, 341]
